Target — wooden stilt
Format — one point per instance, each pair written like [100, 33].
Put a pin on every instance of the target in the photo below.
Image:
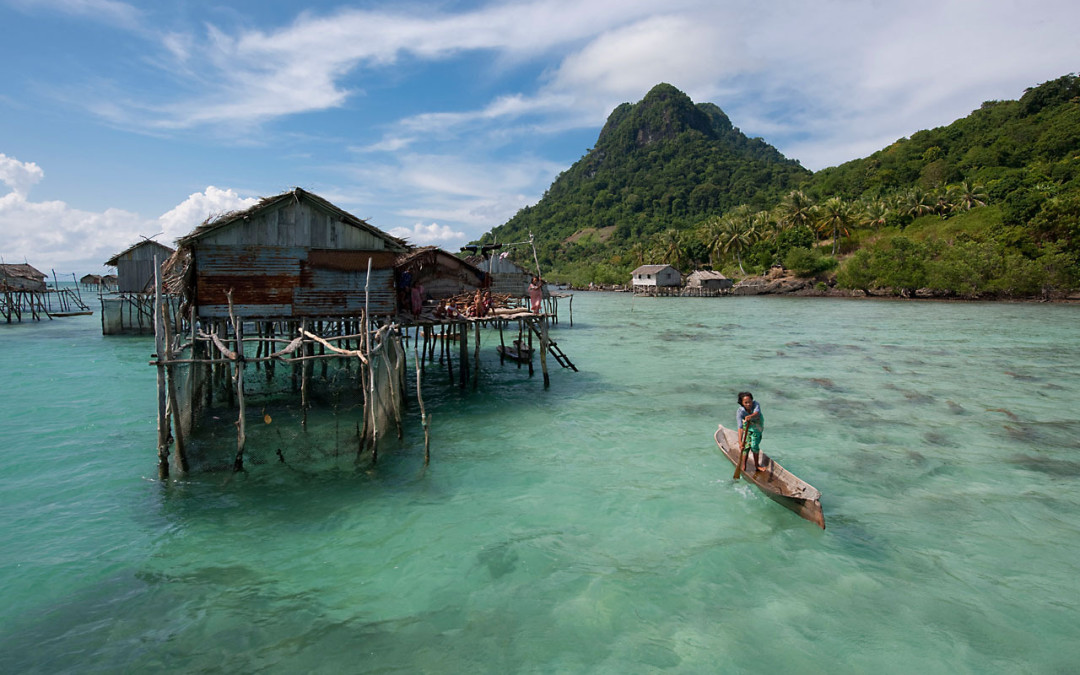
[531, 371]
[463, 355]
[307, 350]
[423, 413]
[544, 350]
[170, 376]
[502, 343]
[476, 356]
[241, 421]
[159, 345]
[447, 328]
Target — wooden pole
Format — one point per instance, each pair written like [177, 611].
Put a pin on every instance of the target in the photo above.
[543, 350]
[463, 355]
[423, 414]
[304, 379]
[531, 371]
[502, 343]
[159, 346]
[241, 421]
[174, 404]
[476, 356]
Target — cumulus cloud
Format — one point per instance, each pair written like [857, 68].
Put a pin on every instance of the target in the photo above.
[54, 235]
[199, 206]
[429, 235]
[19, 176]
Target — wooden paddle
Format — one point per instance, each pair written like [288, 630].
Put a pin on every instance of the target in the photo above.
[742, 453]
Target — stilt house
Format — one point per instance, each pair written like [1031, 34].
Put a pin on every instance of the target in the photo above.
[708, 282]
[22, 277]
[656, 279]
[135, 266]
[313, 283]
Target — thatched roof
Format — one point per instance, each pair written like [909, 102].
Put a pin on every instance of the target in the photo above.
[219, 222]
[21, 271]
[427, 259]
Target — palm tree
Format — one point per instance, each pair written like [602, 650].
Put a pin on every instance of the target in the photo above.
[967, 196]
[671, 245]
[712, 232]
[738, 233]
[874, 214]
[796, 209]
[637, 252]
[836, 217]
[918, 202]
[764, 225]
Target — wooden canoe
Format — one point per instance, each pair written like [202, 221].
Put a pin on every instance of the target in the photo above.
[515, 354]
[778, 484]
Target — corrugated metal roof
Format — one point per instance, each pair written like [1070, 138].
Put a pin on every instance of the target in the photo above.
[650, 269]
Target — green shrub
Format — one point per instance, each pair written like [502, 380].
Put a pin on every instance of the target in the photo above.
[805, 262]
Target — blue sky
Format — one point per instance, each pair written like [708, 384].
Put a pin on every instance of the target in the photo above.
[437, 121]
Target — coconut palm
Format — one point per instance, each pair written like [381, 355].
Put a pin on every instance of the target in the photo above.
[637, 252]
[671, 246]
[967, 196]
[738, 233]
[874, 214]
[796, 209]
[764, 225]
[711, 232]
[918, 202]
[835, 217]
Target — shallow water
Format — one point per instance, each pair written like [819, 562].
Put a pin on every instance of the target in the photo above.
[590, 527]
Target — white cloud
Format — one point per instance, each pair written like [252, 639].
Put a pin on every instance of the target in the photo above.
[199, 206]
[105, 11]
[429, 235]
[19, 176]
[53, 235]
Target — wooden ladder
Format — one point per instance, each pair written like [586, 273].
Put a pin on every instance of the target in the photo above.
[553, 347]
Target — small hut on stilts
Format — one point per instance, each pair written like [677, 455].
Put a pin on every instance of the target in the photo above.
[130, 309]
[293, 296]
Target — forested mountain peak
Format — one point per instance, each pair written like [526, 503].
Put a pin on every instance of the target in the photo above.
[664, 162]
[663, 114]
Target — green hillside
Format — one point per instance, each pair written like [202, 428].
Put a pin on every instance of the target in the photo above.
[986, 206]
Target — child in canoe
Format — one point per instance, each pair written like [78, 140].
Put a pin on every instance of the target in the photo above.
[751, 424]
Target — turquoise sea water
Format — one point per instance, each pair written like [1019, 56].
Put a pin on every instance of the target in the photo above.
[588, 528]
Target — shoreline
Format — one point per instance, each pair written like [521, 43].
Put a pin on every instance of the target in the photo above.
[762, 286]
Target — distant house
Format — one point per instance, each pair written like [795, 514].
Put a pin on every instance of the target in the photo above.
[656, 279]
[91, 280]
[22, 277]
[135, 266]
[707, 281]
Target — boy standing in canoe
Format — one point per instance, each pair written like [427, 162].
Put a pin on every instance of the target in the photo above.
[751, 424]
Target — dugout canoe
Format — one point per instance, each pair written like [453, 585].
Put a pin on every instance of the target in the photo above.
[776, 482]
[516, 353]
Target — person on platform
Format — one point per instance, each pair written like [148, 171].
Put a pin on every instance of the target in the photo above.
[536, 294]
